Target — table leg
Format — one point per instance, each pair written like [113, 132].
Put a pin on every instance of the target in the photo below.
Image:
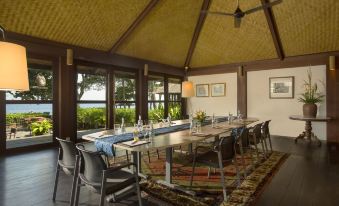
[168, 177]
[136, 158]
[308, 130]
[315, 138]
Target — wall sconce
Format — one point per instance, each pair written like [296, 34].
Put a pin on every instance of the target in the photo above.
[13, 66]
[146, 70]
[332, 62]
[69, 58]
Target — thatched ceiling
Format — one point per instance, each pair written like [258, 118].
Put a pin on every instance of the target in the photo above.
[165, 34]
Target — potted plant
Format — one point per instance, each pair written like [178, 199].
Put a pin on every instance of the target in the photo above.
[310, 97]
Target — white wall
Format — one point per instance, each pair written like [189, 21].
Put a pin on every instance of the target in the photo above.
[216, 105]
[260, 105]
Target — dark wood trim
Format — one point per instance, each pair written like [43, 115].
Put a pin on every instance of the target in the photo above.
[332, 100]
[2, 122]
[242, 92]
[55, 49]
[165, 97]
[273, 29]
[293, 61]
[29, 101]
[110, 111]
[202, 16]
[134, 25]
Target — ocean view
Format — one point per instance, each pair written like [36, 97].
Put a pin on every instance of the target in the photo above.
[25, 108]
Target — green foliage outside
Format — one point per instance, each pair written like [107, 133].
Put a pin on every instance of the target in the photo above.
[158, 113]
[91, 118]
[175, 111]
[127, 113]
[41, 127]
[19, 118]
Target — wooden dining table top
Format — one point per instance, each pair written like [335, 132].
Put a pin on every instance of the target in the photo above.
[177, 138]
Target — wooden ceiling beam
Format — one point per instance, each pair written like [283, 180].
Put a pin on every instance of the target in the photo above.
[134, 25]
[198, 27]
[274, 30]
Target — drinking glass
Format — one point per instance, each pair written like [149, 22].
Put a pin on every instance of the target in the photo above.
[135, 134]
[117, 128]
[198, 127]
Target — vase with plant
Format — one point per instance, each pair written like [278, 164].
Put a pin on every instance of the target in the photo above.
[200, 116]
[310, 97]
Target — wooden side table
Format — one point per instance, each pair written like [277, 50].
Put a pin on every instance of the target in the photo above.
[308, 134]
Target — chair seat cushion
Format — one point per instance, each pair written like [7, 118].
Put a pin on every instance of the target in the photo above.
[210, 158]
[116, 181]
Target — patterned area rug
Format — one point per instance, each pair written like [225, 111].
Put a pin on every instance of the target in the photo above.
[208, 189]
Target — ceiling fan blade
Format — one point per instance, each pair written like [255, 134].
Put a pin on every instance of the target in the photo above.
[273, 3]
[216, 12]
[237, 22]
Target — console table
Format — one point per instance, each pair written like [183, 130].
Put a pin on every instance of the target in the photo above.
[308, 127]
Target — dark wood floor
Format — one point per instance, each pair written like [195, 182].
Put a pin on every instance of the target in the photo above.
[310, 176]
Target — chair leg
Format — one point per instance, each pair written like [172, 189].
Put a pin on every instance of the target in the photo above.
[243, 160]
[56, 181]
[237, 170]
[262, 145]
[103, 190]
[158, 154]
[75, 177]
[193, 168]
[149, 157]
[77, 191]
[127, 158]
[269, 140]
[138, 189]
[209, 172]
[222, 177]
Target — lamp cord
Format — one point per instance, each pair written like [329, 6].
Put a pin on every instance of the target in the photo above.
[3, 33]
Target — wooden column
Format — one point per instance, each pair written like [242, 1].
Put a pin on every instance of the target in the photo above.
[242, 91]
[2, 122]
[142, 95]
[67, 100]
[166, 106]
[332, 98]
[110, 114]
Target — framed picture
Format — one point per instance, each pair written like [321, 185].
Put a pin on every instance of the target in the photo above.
[218, 89]
[202, 90]
[281, 87]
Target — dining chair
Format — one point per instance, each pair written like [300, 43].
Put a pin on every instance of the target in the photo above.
[222, 154]
[243, 146]
[99, 178]
[266, 133]
[68, 162]
[255, 138]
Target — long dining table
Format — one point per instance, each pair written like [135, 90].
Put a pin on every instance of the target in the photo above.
[173, 139]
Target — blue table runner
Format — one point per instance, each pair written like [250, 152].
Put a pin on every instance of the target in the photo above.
[106, 144]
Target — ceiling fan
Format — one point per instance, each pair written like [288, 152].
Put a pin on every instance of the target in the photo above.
[239, 14]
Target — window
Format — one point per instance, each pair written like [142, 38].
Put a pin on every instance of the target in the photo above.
[156, 98]
[125, 97]
[174, 98]
[91, 99]
[29, 114]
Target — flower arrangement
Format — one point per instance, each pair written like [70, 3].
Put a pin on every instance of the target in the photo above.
[200, 115]
[311, 94]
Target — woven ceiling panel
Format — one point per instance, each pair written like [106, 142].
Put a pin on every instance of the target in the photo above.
[220, 43]
[92, 24]
[308, 26]
[165, 34]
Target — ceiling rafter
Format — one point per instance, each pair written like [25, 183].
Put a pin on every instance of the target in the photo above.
[273, 29]
[198, 27]
[132, 27]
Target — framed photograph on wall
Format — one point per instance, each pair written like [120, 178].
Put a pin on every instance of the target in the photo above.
[281, 87]
[218, 89]
[202, 90]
